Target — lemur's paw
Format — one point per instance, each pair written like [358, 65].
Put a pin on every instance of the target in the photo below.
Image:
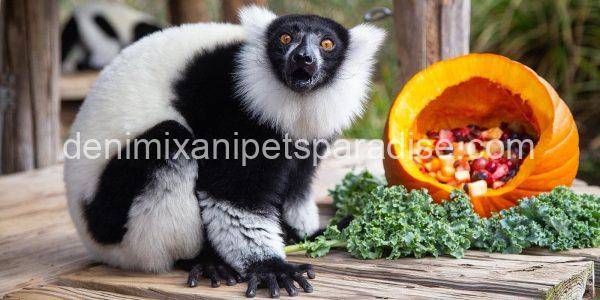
[216, 272]
[276, 274]
[210, 267]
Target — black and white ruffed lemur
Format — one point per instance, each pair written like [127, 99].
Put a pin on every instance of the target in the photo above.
[95, 33]
[301, 77]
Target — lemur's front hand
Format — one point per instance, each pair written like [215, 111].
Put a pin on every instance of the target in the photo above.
[215, 271]
[275, 274]
[210, 266]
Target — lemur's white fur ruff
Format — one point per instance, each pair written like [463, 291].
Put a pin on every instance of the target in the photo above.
[308, 115]
[134, 93]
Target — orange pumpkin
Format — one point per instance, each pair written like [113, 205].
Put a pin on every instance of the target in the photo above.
[483, 89]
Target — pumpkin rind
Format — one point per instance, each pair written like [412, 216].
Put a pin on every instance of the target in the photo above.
[555, 157]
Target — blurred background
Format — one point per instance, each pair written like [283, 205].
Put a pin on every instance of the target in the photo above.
[560, 39]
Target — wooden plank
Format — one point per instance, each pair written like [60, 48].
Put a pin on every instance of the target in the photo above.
[55, 292]
[592, 254]
[230, 8]
[37, 237]
[339, 276]
[455, 24]
[30, 71]
[428, 31]
[74, 87]
[187, 11]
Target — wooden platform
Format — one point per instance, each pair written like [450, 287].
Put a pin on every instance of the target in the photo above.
[42, 258]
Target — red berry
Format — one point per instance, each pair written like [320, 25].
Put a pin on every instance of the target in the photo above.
[432, 134]
[501, 170]
[483, 175]
[447, 135]
[479, 163]
[491, 166]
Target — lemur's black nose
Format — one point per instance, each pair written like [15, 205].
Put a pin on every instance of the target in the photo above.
[302, 57]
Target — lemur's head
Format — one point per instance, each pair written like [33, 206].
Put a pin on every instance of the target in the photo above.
[305, 75]
[305, 51]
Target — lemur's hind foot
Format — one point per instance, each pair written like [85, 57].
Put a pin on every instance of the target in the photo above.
[275, 274]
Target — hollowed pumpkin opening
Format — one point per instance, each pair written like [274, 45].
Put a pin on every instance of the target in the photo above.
[481, 104]
[486, 90]
[477, 101]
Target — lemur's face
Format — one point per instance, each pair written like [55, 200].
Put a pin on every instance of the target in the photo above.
[306, 50]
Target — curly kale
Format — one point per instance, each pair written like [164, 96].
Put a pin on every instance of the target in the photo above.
[392, 222]
[559, 220]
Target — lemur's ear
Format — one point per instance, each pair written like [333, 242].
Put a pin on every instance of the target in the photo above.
[365, 40]
[255, 19]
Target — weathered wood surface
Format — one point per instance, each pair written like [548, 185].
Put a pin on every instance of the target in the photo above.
[229, 8]
[37, 238]
[38, 244]
[74, 87]
[187, 11]
[428, 31]
[29, 72]
[56, 292]
[339, 276]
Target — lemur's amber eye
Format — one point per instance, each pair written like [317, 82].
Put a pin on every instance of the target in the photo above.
[327, 44]
[285, 38]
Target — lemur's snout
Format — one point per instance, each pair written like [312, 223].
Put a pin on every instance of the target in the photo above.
[301, 68]
[302, 57]
[303, 63]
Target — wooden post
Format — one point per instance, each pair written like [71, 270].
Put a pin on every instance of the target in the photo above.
[230, 8]
[187, 11]
[428, 31]
[29, 77]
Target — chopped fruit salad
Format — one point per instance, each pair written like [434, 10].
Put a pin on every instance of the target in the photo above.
[474, 158]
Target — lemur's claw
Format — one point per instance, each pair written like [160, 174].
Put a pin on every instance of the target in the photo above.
[214, 272]
[275, 275]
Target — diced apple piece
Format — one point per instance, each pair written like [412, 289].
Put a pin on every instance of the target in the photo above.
[447, 160]
[433, 165]
[443, 178]
[462, 176]
[495, 148]
[446, 135]
[470, 148]
[426, 143]
[448, 171]
[492, 133]
[498, 184]
[477, 188]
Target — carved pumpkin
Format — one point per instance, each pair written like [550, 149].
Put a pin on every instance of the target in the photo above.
[483, 89]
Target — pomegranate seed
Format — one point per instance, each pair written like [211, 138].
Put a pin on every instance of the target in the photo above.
[433, 134]
[501, 170]
[483, 175]
[479, 163]
[458, 161]
[447, 135]
[491, 166]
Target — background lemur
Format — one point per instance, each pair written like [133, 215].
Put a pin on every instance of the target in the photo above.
[296, 76]
[95, 33]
